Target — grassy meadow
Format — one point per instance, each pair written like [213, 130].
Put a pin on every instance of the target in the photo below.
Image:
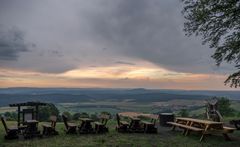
[165, 138]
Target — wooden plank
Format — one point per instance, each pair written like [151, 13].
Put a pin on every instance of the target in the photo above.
[197, 120]
[229, 129]
[124, 123]
[185, 126]
[147, 123]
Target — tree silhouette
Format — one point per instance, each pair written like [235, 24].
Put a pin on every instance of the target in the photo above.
[218, 22]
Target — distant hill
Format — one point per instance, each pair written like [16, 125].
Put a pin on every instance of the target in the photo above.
[71, 95]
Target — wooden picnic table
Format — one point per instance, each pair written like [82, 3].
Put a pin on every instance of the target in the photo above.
[31, 129]
[137, 125]
[86, 126]
[207, 126]
[138, 114]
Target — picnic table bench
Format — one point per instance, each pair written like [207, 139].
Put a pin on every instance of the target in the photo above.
[71, 128]
[100, 126]
[50, 129]
[122, 126]
[202, 126]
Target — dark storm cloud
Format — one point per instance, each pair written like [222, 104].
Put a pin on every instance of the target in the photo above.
[124, 62]
[150, 30]
[11, 43]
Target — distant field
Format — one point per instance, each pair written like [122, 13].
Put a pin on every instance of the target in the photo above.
[195, 107]
[7, 109]
[165, 138]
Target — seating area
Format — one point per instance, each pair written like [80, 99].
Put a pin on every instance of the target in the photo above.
[86, 125]
[127, 122]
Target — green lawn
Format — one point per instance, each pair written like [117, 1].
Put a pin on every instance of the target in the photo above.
[165, 138]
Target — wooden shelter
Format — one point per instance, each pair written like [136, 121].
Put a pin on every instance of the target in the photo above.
[27, 109]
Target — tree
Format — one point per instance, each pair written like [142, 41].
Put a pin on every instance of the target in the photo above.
[76, 116]
[11, 115]
[46, 111]
[218, 22]
[224, 107]
[68, 115]
[183, 113]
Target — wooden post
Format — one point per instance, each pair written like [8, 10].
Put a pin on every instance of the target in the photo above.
[36, 117]
[19, 115]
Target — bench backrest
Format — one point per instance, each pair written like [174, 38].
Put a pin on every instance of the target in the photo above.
[104, 118]
[118, 119]
[53, 120]
[65, 120]
[4, 124]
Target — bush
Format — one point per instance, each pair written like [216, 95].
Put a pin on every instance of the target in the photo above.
[68, 115]
[46, 111]
[183, 113]
[224, 107]
[76, 116]
[94, 116]
[10, 116]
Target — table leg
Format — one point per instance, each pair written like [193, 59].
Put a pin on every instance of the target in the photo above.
[187, 132]
[145, 128]
[82, 127]
[174, 127]
[204, 132]
[226, 137]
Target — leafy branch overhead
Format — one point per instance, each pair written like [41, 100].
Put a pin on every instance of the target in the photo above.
[218, 22]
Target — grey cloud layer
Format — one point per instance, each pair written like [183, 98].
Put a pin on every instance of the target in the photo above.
[11, 43]
[151, 30]
[75, 33]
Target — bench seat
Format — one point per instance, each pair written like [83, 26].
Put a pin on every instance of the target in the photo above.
[124, 123]
[147, 123]
[72, 125]
[185, 126]
[228, 129]
[98, 123]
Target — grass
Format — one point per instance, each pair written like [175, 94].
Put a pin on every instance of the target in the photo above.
[165, 138]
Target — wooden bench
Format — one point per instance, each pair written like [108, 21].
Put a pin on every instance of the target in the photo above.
[71, 128]
[101, 125]
[50, 129]
[122, 126]
[11, 132]
[149, 127]
[186, 127]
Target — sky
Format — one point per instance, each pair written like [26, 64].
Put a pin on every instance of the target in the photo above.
[103, 44]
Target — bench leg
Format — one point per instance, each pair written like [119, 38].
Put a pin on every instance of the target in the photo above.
[184, 131]
[187, 132]
[226, 137]
[202, 137]
[173, 128]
